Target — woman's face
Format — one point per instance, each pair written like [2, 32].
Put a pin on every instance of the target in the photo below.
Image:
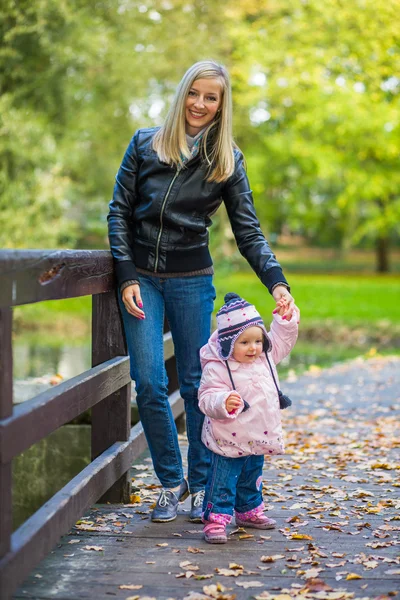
[203, 101]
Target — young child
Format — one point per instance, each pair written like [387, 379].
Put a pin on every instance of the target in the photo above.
[239, 396]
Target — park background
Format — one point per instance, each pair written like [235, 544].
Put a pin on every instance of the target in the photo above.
[316, 92]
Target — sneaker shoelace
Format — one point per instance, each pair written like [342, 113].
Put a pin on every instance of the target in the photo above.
[164, 498]
[198, 498]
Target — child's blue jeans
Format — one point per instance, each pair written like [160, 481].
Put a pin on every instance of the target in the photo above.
[233, 483]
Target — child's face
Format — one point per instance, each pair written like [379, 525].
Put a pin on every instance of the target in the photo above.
[249, 345]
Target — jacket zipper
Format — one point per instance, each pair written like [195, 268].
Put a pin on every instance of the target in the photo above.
[161, 221]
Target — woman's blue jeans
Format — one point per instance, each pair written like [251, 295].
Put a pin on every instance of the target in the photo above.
[188, 304]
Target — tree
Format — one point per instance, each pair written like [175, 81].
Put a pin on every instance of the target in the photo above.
[324, 92]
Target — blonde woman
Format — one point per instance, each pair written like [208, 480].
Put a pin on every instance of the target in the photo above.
[171, 180]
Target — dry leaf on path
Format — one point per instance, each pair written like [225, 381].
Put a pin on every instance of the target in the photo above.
[249, 584]
[195, 550]
[301, 536]
[271, 559]
[96, 548]
[352, 576]
[130, 586]
[228, 572]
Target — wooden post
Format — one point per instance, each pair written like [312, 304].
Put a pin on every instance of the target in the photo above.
[111, 418]
[6, 409]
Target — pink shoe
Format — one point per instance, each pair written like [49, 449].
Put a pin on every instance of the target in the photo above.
[214, 533]
[255, 518]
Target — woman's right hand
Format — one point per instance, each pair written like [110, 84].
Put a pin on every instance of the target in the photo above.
[133, 301]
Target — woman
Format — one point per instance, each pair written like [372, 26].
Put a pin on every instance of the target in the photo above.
[170, 181]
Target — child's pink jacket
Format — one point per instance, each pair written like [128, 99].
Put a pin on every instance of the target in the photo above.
[257, 430]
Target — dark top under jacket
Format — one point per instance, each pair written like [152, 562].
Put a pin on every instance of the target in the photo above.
[159, 216]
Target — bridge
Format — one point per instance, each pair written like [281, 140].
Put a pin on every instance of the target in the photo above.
[335, 494]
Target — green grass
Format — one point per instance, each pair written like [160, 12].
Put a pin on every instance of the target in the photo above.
[351, 300]
[52, 322]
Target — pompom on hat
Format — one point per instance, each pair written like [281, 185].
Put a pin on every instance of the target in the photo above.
[233, 318]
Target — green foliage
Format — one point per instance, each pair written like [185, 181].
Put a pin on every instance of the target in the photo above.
[326, 97]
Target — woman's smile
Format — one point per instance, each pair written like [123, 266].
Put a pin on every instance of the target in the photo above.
[202, 103]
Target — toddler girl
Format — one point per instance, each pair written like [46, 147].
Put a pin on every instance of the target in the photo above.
[240, 397]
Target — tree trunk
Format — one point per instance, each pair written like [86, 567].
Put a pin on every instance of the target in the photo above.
[382, 254]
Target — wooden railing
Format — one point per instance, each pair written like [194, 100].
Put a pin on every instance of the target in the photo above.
[33, 276]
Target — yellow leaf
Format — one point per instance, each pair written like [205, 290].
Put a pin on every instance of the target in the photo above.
[301, 536]
[235, 566]
[135, 499]
[352, 576]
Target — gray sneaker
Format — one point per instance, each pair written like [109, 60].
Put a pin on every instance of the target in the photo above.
[167, 504]
[197, 507]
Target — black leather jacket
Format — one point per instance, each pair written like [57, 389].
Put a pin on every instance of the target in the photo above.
[159, 216]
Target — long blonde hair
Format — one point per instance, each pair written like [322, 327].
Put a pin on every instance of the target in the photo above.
[170, 141]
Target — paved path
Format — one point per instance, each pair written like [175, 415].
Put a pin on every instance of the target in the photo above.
[335, 495]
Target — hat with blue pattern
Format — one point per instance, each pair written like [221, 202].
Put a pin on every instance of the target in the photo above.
[233, 318]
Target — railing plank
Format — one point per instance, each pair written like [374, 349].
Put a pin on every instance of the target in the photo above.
[35, 419]
[6, 408]
[111, 419]
[37, 536]
[29, 276]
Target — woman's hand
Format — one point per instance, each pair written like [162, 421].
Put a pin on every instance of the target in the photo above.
[233, 402]
[133, 301]
[282, 296]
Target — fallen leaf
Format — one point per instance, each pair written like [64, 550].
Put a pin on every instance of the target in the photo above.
[301, 536]
[195, 550]
[184, 563]
[228, 572]
[163, 545]
[316, 585]
[392, 572]
[312, 573]
[351, 576]
[245, 536]
[74, 542]
[96, 548]
[271, 559]
[135, 499]
[235, 566]
[249, 584]
[130, 586]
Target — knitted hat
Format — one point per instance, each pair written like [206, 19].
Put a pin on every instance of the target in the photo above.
[232, 319]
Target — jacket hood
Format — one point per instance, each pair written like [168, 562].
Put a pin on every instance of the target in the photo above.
[209, 352]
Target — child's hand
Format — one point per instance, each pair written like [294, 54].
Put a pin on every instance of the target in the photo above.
[233, 402]
[281, 307]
